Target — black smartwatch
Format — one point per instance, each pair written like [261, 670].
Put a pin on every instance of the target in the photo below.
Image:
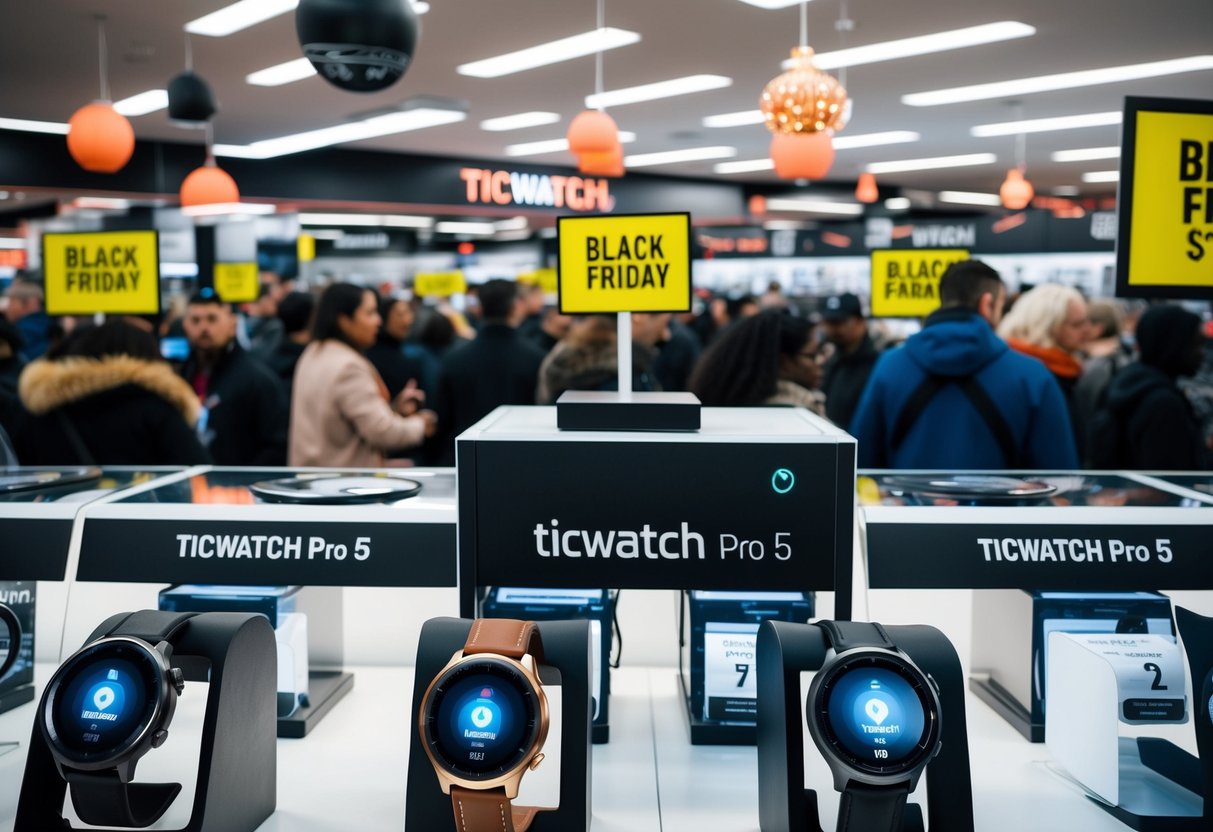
[107, 706]
[875, 717]
[9, 623]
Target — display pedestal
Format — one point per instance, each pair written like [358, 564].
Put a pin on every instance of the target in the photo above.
[325, 689]
[609, 410]
[16, 698]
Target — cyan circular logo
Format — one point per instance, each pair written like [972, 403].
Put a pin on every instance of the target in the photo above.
[782, 481]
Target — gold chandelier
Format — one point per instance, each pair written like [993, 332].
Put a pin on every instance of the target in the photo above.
[804, 99]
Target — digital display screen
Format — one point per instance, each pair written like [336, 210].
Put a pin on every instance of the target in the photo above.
[104, 699]
[482, 719]
[875, 713]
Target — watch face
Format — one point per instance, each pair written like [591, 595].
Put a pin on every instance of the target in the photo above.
[875, 712]
[481, 719]
[102, 701]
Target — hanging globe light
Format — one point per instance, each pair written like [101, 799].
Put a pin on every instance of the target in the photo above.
[100, 138]
[1016, 191]
[804, 99]
[866, 190]
[602, 164]
[802, 156]
[209, 185]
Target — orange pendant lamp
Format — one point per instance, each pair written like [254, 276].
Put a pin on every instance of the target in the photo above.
[608, 164]
[804, 99]
[593, 135]
[866, 190]
[209, 185]
[99, 138]
[803, 156]
[1016, 191]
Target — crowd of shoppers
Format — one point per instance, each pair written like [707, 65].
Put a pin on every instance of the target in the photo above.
[345, 378]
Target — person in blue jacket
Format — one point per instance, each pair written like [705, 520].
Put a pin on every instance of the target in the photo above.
[956, 397]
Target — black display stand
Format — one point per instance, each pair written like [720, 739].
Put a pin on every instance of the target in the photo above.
[567, 657]
[703, 732]
[325, 688]
[237, 770]
[786, 650]
[1004, 703]
[608, 410]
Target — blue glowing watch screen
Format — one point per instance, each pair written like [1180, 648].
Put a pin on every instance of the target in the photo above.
[105, 697]
[875, 713]
[482, 719]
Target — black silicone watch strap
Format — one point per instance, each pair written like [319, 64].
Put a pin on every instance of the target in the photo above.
[101, 799]
[845, 635]
[151, 625]
[872, 809]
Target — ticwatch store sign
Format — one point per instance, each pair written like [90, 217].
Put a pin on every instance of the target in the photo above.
[501, 187]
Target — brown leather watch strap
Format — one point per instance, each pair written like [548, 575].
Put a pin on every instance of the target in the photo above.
[505, 636]
[488, 811]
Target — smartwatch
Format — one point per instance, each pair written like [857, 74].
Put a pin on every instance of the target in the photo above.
[875, 717]
[107, 706]
[9, 623]
[483, 722]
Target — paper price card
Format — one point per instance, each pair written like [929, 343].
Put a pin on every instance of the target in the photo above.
[1165, 244]
[905, 282]
[116, 272]
[237, 282]
[439, 284]
[625, 263]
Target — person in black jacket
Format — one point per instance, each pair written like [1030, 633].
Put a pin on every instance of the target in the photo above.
[106, 397]
[389, 355]
[246, 410]
[295, 311]
[1146, 421]
[846, 372]
[498, 367]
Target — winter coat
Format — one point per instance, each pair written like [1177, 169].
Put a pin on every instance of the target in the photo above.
[591, 367]
[1157, 428]
[950, 433]
[125, 411]
[246, 410]
[340, 415]
[844, 377]
[789, 393]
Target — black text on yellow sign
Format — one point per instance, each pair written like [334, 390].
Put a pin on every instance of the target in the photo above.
[625, 263]
[114, 272]
[905, 282]
[439, 284]
[1165, 244]
[237, 282]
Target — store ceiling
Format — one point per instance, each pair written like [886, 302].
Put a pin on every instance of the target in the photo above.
[48, 63]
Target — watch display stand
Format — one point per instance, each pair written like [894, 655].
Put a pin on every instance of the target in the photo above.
[1197, 633]
[17, 685]
[1100, 682]
[237, 769]
[567, 664]
[786, 650]
[610, 410]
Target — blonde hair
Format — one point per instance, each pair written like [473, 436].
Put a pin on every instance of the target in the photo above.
[1038, 313]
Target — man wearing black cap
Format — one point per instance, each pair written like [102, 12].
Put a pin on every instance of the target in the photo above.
[847, 370]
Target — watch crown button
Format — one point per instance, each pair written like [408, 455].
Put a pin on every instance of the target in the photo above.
[178, 679]
[535, 762]
[159, 737]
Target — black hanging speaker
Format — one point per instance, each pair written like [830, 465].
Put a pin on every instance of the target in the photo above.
[190, 99]
[357, 45]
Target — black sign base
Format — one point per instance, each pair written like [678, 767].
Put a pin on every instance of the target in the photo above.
[1007, 706]
[713, 733]
[16, 698]
[609, 410]
[325, 688]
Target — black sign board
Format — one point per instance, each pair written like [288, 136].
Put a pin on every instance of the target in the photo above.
[34, 549]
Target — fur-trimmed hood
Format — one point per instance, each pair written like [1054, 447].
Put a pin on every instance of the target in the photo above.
[46, 385]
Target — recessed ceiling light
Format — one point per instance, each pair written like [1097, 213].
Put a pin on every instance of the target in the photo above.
[389, 124]
[223, 208]
[143, 103]
[11, 243]
[661, 89]
[746, 166]
[374, 220]
[970, 198]
[279, 74]
[27, 126]
[554, 145]
[565, 49]
[1066, 190]
[741, 119]
[898, 203]
[875, 139]
[512, 224]
[325, 233]
[815, 206]
[786, 225]
[518, 122]
[1086, 154]
[671, 157]
[1045, 125]
[101, 202]
[1102, 176]
[240, 15]
[472, 228]
[933, 163]
[924, 44]
[772, 4]
[1060, 81]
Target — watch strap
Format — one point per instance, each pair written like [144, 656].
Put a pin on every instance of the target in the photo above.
[153, 626]
[102, 799]
[846, 635]
[488, 810]
[872, 809]
[505, 636]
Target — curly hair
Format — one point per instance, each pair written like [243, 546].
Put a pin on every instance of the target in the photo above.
[741, 366]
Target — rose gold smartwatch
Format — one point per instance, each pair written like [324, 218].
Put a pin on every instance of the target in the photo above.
[483, 722]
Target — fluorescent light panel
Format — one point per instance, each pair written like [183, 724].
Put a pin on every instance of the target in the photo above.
[565, 49]
[279, 74]
[520, 121]
[1102, 176]
[554, 145]
[815, 206]
[512, 224]
[875, 139]
[772, 4]
[898, 203]
[11, 243]
[671, 157]
[472, 228]
[1045, 125]
[1086, 154]
[143, 103]
[933, 163]
[661, 89]
[1065, 190]
[238, 16]
[223, 208]
[969, 198]
[741, 119]
[746, 166]
[1060, 81]
[371, 220]
[27, 126]
[384, 125]
[924, 44]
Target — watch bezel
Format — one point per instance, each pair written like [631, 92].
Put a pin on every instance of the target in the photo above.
[827, 741]
[448, 775]
[157, 717]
